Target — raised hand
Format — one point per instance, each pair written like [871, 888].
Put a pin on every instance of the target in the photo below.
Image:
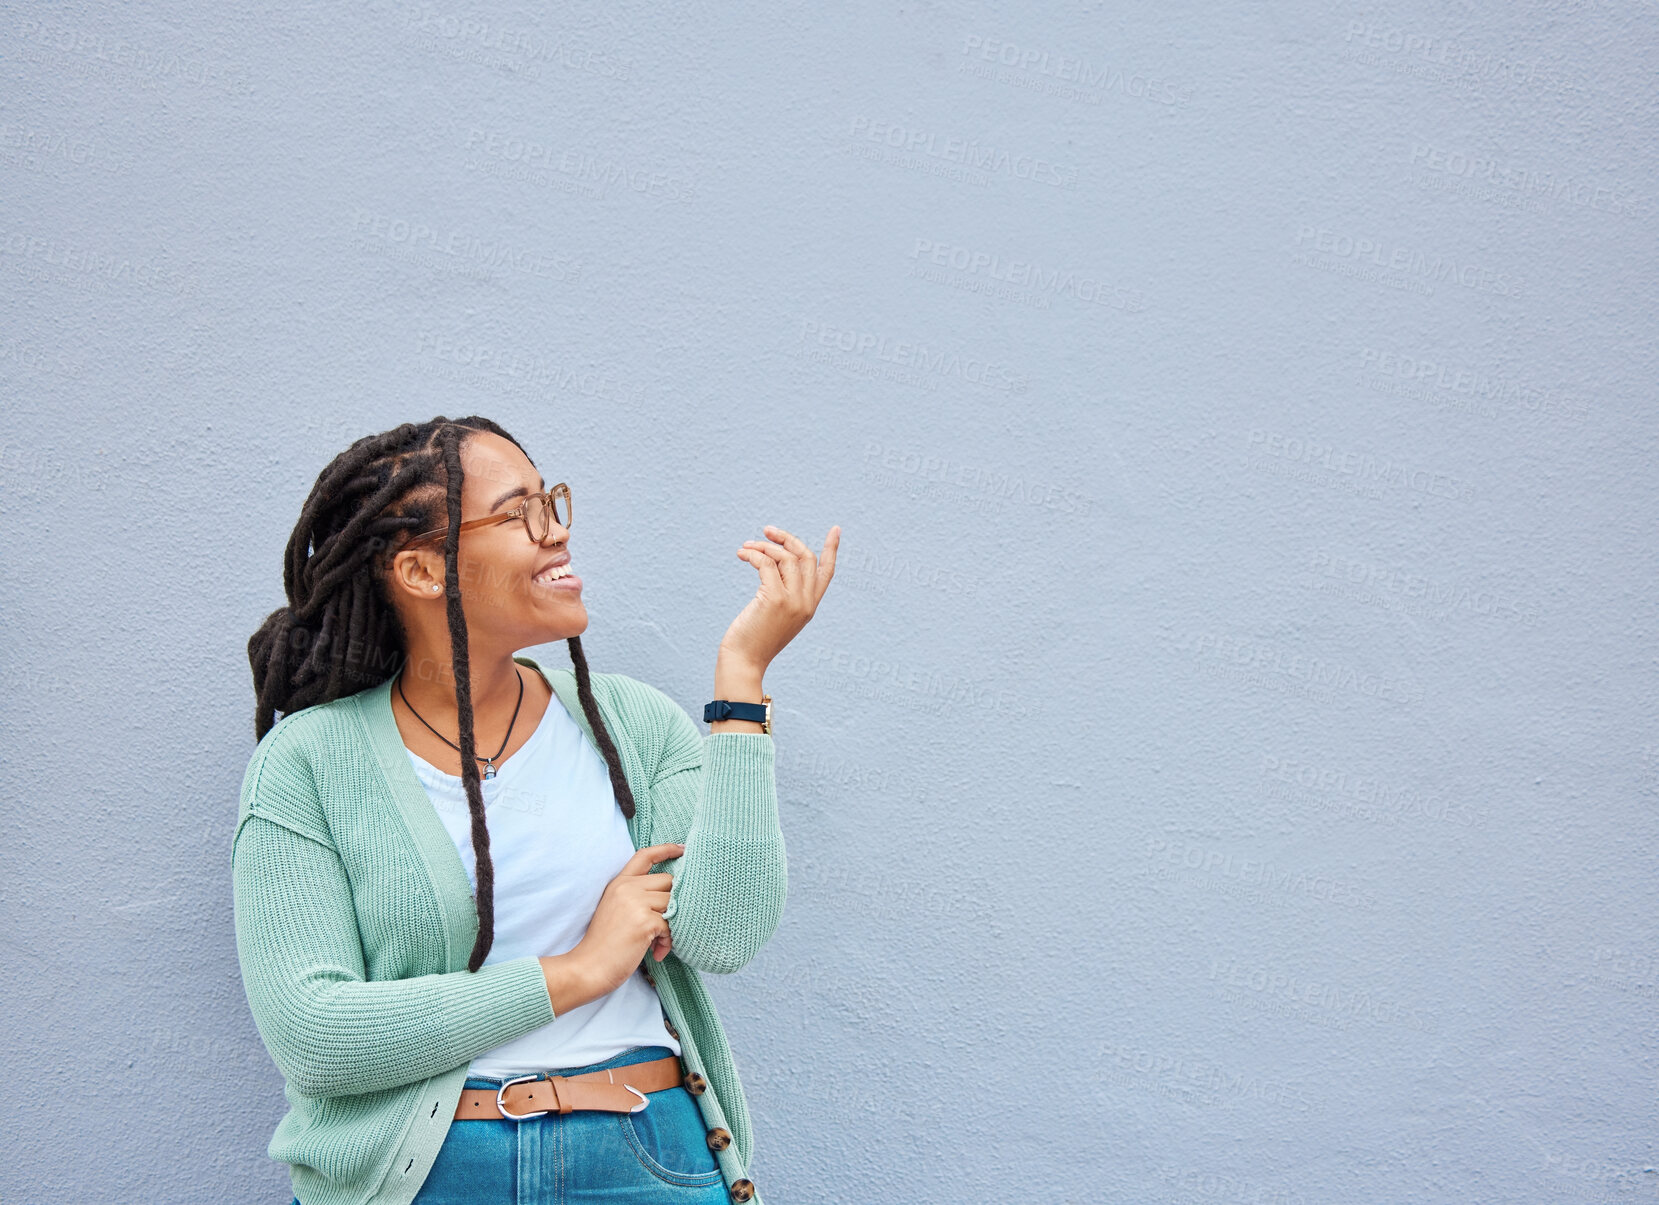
[792, 581]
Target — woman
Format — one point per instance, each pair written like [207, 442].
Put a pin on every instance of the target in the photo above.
[465, 1011]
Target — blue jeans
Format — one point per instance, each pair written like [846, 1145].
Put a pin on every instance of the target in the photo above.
[587, 1157]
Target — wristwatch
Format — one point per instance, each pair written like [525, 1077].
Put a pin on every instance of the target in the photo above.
[723, 709]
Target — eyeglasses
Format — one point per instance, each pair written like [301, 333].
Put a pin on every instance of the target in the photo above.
[537, 511]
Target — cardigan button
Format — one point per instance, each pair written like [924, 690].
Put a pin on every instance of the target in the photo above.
[719, 1138]
[695, 1083]
[669, 1026]
[742, 1190]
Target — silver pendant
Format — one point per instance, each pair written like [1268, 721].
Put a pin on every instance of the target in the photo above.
[489, 769]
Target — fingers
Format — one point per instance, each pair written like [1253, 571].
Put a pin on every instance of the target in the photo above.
[817, 571]
[649, 855]
[767, 566]
[794, 558]
[826, 561]
[801, 571]
[789, 541]
[825, 565]
[788, 565]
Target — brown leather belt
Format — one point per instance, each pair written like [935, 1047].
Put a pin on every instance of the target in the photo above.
[615, 1090]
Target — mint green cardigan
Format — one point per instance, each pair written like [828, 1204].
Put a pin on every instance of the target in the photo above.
[355, 917]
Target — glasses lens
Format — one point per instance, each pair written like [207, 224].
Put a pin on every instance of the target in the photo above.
[538, 515]
[535, 517]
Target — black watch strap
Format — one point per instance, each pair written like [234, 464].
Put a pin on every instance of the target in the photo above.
[725, 709]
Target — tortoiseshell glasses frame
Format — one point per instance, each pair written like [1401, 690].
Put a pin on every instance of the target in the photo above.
[538, 510]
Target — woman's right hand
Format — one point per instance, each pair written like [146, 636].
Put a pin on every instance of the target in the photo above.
[627, 922]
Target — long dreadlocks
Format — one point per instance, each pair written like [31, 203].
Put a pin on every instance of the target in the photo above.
[339, 633]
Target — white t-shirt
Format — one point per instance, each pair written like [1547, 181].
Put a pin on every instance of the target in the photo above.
[557, 837]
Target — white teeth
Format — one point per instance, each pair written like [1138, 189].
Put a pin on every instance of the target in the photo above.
[554, 574]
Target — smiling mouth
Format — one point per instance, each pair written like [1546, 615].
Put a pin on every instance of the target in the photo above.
[560, 577]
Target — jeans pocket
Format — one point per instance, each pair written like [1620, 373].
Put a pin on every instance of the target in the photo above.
[670, 1140]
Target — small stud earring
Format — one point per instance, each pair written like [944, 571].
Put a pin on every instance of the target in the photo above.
[437, 587]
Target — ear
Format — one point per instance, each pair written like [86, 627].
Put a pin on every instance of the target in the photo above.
[413, 573]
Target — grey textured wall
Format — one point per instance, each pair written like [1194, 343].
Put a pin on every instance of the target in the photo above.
[1225, 767]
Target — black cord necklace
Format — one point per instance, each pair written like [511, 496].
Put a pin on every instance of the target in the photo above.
[489, 762]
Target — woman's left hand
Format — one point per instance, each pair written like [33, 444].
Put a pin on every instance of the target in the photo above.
[792, 580]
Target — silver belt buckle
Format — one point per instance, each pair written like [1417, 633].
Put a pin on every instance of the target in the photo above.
[523, 1079]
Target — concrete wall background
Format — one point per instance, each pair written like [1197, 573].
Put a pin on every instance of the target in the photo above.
[1225, 766]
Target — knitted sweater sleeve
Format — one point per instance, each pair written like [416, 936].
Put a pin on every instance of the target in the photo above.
[718, 794]
[330, 1030]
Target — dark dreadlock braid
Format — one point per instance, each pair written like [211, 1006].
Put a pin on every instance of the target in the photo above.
[339, 633]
